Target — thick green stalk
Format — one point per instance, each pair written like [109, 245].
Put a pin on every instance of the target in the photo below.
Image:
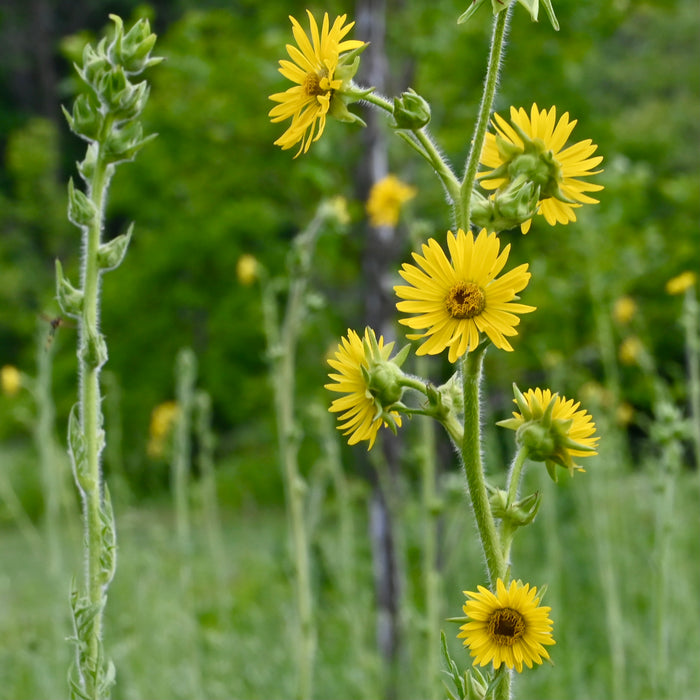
[90, 363]
[473, 468]
[463, 202]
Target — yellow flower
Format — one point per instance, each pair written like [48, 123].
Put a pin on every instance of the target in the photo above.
[552, 428]
[385, 200]
[320, 76]
[10, 380]
[247, 269]
[678, 284]
[624, 310]
[631, 350]
[533, 146]
[163, 418]
[509, 627]
[459, 299]
[364, 406]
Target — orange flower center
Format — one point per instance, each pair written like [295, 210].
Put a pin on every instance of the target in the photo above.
[506, 626]
[465, 300]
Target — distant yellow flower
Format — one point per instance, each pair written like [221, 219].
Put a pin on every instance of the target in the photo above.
[631, 350]
[553, 429]
[364, 406]
[385, 200]
[509, 627]
[531, 146]
[10, 380]
[320, 76]
[678, 284]
[459, 299]
[624, 310]
[247, 269]
[163, 418]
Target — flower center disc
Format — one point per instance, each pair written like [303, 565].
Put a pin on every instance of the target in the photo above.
[506, 626]
[312, 84]
[465, 300]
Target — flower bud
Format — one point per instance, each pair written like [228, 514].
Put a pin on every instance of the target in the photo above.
[111, 254]
[69, 298]
[81, 210]
[132, 50]
[411, 111]
[86, 120]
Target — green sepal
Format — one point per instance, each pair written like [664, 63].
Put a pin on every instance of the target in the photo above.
[110, 255]
[532, 6]
[86, 167]
[467, 14]
[69, 298]
[81, 210]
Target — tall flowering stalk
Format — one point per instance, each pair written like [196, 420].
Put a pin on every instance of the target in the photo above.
[106, 115]
[459, 299]
[282, 335]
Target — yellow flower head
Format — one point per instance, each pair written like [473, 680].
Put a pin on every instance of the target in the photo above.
[624, 310]
[631, 350]
[509, 627]
[10, 380]
[385, 200]
[532, 146]
[320, 74]
[459, 299]
[678, 284]
[163, 418]
[552, 428]
[247, 269]
[371, 384]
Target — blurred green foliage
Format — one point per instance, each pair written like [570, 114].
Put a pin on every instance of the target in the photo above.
[212, 186]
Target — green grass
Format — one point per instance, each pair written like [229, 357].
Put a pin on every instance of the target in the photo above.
[201, 627]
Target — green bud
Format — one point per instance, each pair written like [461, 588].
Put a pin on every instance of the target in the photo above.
[86, 120]
[124, 142]
[94, 350]
[86, 167]
[111, 254]
[112, 87]
[81, 210]
[70, 299]
[95, 64]
[132, 50]
[411, 111]
[510, 206]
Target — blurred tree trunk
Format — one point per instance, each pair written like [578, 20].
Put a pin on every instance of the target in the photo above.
[380, 252]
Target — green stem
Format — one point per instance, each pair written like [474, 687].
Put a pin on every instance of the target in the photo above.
[90, 363]
[473, 468]
[507, 529]
[463, 202]
[422, 143]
